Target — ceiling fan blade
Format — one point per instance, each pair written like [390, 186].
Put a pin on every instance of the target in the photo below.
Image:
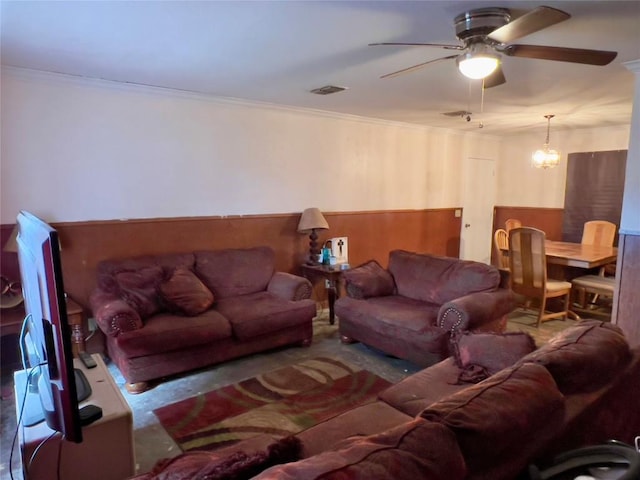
[442, 45]
[537, 19]
[416, 67]
[561, 54]
[495, 79]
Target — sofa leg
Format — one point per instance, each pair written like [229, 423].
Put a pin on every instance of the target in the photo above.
[346, 340]
[306, 342]
[138, 387]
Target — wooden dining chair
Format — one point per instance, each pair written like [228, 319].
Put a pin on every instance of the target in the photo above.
[528, 267]
[599, 232]
[501, 242]
[602, 233]
[512, 223]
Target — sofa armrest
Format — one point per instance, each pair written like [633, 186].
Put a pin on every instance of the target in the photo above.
[475, 310]
[289, 286]
[113, 315]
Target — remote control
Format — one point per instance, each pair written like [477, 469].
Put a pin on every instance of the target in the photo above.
[89, 414]
[87, 360]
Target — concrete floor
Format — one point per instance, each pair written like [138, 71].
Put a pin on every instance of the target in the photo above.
[152, 443]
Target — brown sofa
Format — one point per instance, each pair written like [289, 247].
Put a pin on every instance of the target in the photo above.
[168, 314]
[579, 389]
[411, 309]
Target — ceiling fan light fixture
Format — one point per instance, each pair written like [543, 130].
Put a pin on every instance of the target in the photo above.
[478, 62]
[546, 157]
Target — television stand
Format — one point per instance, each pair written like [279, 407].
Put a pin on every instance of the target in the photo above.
[106, 452]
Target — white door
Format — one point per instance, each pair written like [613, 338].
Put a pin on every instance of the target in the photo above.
[479, 197]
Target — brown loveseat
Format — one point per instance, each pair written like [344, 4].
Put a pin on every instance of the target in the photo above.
[412, 308]
[579, 389]
[168, 314]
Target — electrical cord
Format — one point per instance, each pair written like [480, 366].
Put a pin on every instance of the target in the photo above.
[36, 451]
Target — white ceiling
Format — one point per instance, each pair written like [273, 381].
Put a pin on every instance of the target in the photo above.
[276, 51]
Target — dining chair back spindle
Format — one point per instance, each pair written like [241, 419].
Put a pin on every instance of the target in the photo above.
[528, 272]
[501, 242]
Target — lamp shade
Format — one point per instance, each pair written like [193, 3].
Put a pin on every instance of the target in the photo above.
[312, 219]
[11, 245]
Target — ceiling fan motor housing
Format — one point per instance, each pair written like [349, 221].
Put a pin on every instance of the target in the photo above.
[480, 22]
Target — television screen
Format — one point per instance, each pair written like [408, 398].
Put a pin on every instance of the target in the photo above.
[46, 335]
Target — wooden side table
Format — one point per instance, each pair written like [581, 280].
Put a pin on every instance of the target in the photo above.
[11, 320]
[11, 323]
[329, 273]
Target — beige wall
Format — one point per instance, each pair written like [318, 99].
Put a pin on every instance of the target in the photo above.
[77, 149]
[521, 185]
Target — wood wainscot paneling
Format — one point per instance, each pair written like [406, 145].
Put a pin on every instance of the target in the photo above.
[626, 300]
[371, 236]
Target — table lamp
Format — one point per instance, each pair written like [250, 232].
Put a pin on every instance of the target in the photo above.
[310, 221]
[10, 290]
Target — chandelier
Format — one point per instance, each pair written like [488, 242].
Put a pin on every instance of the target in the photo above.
[546, 157]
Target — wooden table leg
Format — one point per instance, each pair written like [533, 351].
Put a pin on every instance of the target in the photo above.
[331, 294]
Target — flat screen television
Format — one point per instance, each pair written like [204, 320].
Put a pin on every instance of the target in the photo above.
[54, 387]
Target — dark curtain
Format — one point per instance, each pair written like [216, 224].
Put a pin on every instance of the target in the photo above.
[595, 183]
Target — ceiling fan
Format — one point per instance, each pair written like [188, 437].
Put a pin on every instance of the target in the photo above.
[486, 33]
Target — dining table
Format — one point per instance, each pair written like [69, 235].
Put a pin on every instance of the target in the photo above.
[579, 255]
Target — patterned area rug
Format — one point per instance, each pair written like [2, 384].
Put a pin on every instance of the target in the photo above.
[279, 403]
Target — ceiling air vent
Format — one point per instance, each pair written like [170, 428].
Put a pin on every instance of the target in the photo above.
[457, 113]
[327, 90]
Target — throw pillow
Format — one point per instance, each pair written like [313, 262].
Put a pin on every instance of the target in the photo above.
[481, 355]
[369, 280]
[139, 289]
[183, 291]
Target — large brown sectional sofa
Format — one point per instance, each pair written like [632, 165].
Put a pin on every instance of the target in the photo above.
[581, 388]
[167, 314]
[412, 308]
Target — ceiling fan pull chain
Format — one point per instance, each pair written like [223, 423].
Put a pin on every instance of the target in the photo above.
[481, 125]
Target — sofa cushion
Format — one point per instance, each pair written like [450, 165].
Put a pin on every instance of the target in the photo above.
[184, 292]
[233, 272]
[166, 332]
[390, 313]
[374, 417]
[229, 463]
[263, 312]
[139, 288]
[480, 355]
[413, 450]
[489, 418]
[423, 388]
[437, 279]
[368, 280]
[582, 358]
